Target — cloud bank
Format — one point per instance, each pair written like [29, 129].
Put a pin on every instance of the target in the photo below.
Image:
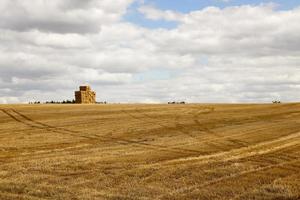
[236, 54]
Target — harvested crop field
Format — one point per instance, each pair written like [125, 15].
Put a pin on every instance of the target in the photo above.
[192, 151]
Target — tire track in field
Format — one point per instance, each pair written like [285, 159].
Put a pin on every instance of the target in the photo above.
[236, 175]
[120, 141]
[103, 138]
[55, 128]
[143, 144]
[42, 126]
[236, 154]
[154, 121]
[35, 124]
[178, 127]
[219, 137]
[233, 137]
[246, 132]
[252, 191]
[166, 127]
[230, 138]
[244, 152]
[181, 127]
[18, 117]
[11, 195]
[251, 153]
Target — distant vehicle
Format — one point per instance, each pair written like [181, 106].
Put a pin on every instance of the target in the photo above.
[276, 102]
[174, 102]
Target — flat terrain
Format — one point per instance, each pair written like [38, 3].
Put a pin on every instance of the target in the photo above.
[192, 151]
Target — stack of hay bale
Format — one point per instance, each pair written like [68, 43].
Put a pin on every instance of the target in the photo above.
[85, 95]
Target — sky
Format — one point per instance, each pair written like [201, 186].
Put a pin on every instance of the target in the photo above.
[150, 51]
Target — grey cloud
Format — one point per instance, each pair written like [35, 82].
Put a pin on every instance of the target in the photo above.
[239, 54]
[245, 30]
[59, 16]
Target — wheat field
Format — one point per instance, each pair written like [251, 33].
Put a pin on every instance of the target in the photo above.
[196, 151]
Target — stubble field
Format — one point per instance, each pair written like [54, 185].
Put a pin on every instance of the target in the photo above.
[192, 151]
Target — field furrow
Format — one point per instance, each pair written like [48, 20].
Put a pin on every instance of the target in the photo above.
[150, 151]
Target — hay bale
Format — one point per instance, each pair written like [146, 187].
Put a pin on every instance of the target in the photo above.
[85, 95]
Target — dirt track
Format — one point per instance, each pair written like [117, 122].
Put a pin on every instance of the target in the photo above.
[150, 151]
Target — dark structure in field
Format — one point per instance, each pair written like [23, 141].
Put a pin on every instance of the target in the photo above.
[85, 95]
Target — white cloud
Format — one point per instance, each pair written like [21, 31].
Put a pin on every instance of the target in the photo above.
[236, 54]
[155, 14]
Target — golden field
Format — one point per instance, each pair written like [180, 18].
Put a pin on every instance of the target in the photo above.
[196, 151]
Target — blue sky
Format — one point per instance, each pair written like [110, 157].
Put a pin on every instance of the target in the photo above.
[190, 5]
